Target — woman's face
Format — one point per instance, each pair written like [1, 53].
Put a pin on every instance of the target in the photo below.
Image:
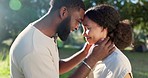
[92, 31]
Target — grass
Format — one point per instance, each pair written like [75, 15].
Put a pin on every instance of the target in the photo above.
[4, 68]
[138, 60]
[139, 63]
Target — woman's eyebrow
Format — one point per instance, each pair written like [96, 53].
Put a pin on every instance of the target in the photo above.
[85, 25]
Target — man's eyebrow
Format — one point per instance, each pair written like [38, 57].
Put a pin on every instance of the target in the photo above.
[82, 19]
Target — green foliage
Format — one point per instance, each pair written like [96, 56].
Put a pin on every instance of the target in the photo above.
[14, 18]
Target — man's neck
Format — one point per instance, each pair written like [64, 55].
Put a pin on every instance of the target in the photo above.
[47, 25]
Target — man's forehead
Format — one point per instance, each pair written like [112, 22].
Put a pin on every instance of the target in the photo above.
[79, 13]
[82, 12]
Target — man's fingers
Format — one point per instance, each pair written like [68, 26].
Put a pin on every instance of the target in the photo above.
[111, 50]
[103, 42]
[86, 46]
[109, 44]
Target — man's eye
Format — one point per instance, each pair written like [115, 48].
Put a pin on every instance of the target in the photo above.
[80, 22]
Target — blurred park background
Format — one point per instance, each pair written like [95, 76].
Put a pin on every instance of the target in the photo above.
[15, 15]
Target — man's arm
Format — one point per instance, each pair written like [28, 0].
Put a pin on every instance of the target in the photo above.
[38, 65]
[101, 51]
[69, 63]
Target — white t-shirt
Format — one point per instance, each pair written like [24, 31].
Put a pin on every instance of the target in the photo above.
[115, 65]
[34, 55]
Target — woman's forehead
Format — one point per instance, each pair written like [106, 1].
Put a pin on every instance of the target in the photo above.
[85, 21]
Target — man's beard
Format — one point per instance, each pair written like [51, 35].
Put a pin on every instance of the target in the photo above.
[63, 29]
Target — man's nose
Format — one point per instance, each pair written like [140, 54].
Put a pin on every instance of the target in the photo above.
[77, 27]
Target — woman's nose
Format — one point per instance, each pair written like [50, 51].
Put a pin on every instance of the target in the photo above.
[84, 34]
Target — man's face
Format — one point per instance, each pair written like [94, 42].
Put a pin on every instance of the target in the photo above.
[71, 23]
[64, 29]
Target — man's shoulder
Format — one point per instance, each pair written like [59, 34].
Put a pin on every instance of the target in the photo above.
[22, 44]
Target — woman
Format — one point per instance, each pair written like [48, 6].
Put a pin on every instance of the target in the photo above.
[104, 21]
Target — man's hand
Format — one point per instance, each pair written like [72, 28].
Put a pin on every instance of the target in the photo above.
[100, 51]
[86, 48]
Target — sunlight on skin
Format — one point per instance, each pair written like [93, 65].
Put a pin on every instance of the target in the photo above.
[15, 4]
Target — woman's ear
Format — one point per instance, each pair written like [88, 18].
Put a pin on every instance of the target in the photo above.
[63, 12]
[104, 31]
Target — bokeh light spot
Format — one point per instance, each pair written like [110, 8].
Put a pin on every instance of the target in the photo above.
[15, 4]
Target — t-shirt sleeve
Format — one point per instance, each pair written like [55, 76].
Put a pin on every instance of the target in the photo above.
[125, 72]
[37, 65]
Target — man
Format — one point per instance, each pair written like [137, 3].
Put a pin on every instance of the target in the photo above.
[34, 53]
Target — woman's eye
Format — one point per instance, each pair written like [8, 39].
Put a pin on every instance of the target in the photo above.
[89, 28]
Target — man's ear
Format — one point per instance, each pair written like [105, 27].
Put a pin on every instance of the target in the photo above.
[63, 12]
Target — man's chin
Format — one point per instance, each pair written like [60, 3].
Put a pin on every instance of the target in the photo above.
[63, 38]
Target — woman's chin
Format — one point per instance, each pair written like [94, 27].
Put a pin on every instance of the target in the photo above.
[90, 43]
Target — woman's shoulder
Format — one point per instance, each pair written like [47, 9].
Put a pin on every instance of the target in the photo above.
[117, 58]
[117, 63]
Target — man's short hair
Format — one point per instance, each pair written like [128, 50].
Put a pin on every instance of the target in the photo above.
[73, 4]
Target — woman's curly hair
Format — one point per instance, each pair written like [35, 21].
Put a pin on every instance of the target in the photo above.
[120, 32]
